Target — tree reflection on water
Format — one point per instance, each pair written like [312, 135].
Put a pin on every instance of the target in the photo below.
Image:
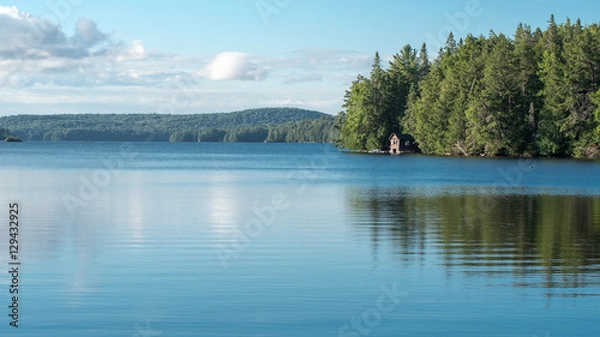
[543, 241]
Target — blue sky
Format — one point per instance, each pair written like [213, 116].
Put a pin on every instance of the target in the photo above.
[66, 56]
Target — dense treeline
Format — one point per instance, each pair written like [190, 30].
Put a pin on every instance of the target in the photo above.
[296, 125]
[536, 94]
[4, 132]
[7, 136]
[320, 130]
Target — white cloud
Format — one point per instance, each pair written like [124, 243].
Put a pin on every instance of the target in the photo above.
[234, 66]
[27, 37]
[23, 36]
[87, 33]
[12, 12]
[44, 70]
[134, 51]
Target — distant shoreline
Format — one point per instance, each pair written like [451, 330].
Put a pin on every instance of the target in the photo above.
[527, 161]
[286, 125]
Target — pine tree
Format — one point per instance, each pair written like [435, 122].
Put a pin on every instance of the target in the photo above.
[550, 139]
[450, 47]
[582, 65]
[380, 118]
[423, 62]
[501, 115]
[353, 132]
[404, 72]
[528, 81]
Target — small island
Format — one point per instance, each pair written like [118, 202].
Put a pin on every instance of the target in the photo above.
[13, 140]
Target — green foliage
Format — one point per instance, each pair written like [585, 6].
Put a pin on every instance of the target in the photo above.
[561, 233]
[213, 135]
[534, 94]
[320, 130]
[7, 136]
[588, 145]
[4, 133]
[184, 136]
[375, 106]
[247, 135]
[256, 125]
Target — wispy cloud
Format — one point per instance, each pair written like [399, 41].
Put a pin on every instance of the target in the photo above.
[304, 79]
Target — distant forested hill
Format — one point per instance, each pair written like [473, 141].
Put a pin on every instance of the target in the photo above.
[255, 125]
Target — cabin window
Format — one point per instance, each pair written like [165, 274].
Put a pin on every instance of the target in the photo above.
[407, 143]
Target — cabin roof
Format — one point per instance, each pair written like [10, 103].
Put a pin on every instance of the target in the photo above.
[401, 136]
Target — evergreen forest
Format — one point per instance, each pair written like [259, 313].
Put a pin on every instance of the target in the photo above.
[535, 93]
[282, 125]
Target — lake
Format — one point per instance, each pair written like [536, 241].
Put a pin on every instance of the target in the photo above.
[197, 239]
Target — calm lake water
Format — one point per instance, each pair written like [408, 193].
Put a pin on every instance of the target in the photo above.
[163, 239]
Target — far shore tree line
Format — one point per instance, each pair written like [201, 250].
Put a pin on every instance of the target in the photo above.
[281, 125]
[535, 94]
[313, 131]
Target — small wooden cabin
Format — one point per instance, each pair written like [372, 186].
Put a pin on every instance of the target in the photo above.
[400, 143]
